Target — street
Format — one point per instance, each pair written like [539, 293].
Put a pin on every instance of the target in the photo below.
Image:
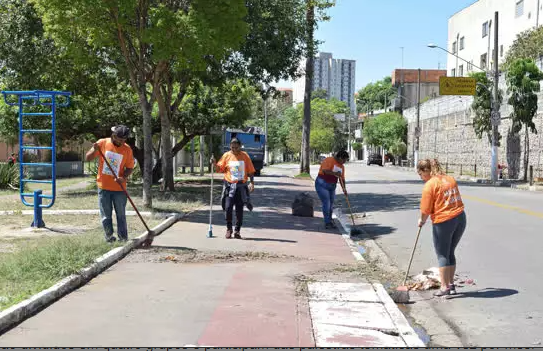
[500, 251]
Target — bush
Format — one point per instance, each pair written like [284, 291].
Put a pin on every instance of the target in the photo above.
[357, 146]
[9, 176]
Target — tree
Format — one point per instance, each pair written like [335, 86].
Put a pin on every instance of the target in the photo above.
[271, 50]
[482, 106]
[374, 96]
[29, 60]
[319, 94]
[157, 41]
[312, 20]
[527, 45]
[523, 78]
[386, 130]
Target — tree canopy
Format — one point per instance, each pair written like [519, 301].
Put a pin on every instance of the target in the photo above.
[374, 95]
[386, 130]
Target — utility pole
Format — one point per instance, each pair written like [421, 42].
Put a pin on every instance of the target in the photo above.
[417, 128]
[495, 106]
[266, 129]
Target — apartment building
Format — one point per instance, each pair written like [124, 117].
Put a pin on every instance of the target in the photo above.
[471, 32]
[336, 76]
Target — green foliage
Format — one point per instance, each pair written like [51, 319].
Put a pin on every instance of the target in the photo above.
[527, 45]
[322, 140]
[398, 148]
[319, 94]
[385, 130]
[374, 95]
[523, 79]
[326, 131]
[482, 106]
[9, 176]
[357, 146]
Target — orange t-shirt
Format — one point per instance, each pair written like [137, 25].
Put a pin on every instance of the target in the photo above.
[330, 164]
[236, 167]
[118, 157]
[441, 199]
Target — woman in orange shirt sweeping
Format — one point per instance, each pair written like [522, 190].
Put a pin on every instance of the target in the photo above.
[330, 171]
[442, 202]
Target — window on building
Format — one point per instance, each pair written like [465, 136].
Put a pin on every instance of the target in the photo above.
[470, 66]
[454, 47]
[519, 9]
[483, 61]
[453, 72]
[462, 43]
[501, 50]
[485, 29]
[461, 71]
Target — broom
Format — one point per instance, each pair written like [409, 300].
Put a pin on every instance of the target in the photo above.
[354, 231]
[401, 295]
[210, 230]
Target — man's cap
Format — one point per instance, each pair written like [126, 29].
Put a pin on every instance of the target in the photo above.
[121, 131]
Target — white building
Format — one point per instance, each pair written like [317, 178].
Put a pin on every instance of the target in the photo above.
[336, 76]
[471, 32]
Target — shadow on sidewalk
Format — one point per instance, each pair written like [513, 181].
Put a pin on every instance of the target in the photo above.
[487, 293]
[379, 202]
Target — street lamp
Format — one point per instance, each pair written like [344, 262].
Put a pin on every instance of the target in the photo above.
[495, 109]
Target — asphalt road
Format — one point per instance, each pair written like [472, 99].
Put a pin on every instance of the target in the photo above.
[500, 251]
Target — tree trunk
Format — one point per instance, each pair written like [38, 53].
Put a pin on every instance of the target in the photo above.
[147, 149]
[526, 152]
[202, 150]
[306, 127]
[166, 145]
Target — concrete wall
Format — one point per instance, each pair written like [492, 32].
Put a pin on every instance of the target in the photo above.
[447, 134]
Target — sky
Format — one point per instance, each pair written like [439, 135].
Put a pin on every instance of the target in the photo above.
[372, 32]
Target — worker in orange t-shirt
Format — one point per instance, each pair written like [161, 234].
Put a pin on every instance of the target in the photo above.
[330, 171]
[238, 169]
[442, 202]
[110, 193]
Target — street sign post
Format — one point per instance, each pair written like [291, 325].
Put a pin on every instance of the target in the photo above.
[495, 118]
[457, 86]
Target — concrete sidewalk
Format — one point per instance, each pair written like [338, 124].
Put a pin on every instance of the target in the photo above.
[289, 283]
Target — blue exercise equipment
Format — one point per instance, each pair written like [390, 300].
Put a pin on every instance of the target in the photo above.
[37, 98]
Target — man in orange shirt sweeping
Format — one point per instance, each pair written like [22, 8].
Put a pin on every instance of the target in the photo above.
[110, 193]
[238, 169]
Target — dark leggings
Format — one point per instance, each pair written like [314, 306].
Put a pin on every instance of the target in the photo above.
[447, 235]
[229, 206]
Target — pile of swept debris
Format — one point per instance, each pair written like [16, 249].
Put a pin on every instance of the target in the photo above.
[429, 279]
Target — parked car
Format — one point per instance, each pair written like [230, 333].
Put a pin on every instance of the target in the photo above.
[375, 159]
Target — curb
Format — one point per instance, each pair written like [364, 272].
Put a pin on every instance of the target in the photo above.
[434, 324]
[407, 333]
[34, 304]
[85, 212]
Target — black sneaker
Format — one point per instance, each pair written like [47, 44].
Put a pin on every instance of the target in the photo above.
[452, 289]
[111, 239]
[250, 206]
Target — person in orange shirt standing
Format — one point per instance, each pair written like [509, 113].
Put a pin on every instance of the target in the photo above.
[238, 169]
[110, 194]
[330, 170]
[442, 202]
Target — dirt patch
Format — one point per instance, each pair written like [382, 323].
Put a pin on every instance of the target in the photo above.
[187, 255]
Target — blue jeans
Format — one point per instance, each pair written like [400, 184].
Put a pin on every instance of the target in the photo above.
[327, 194]
[108, 199]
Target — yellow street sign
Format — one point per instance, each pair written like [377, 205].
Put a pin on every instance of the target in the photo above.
[457, 86]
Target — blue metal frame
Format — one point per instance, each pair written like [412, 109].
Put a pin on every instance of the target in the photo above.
[40, 98]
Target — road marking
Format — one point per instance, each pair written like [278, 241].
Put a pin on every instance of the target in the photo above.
[507, 207]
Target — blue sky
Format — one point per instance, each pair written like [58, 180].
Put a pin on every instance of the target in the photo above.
[372, 32]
